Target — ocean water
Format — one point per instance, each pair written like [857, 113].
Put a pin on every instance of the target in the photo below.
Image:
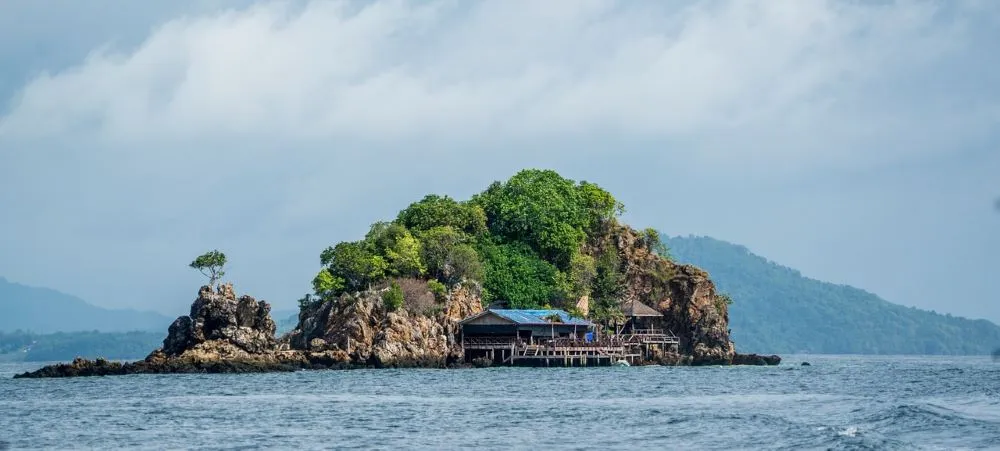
[840, 402]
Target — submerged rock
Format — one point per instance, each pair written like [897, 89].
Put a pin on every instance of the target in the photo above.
[754, 359]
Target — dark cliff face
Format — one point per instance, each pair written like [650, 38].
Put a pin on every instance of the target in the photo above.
[683, 293]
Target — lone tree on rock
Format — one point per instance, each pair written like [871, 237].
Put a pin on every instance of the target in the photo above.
[210, 264]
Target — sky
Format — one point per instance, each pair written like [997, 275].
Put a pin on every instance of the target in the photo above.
[854, 141]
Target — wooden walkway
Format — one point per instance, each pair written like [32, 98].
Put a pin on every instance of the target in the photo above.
[629, 347]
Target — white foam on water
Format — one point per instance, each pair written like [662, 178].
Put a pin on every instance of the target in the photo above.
[849, 432]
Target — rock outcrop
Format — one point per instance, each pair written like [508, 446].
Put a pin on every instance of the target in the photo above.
[223, 324]
[683, 293]
[223, 334]
[359, 330]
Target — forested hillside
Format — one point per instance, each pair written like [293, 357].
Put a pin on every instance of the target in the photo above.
[30, 347]
[776, 309]
[42, 310]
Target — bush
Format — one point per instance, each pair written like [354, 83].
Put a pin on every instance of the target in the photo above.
[418, 296]
[393, 298]
[438, 289]
[652, 240]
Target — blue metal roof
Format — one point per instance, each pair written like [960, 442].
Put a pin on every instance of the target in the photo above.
[538, 317]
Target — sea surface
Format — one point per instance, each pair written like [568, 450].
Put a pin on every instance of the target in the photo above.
[839, 402]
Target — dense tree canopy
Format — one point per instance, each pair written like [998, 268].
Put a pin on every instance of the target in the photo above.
[523, 239]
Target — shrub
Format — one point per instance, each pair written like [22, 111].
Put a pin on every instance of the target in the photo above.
[438, 289]
[326, 285]
[393, 297]
[652, 240]
[418, 296]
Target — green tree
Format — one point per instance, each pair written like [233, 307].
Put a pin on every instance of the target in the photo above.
[443, 211]
[582, 270]
[652, 240]
[393, 297]
[448, 257]
[210, 264]
[606, 289]
[539, 208]
[355, 264]
[601, 207]
[398, 247]
[326, 285]
[515, 274]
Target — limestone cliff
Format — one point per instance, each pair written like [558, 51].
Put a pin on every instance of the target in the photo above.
[358, 329]
[684, 294]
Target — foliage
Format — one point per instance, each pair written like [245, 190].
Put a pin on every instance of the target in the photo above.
[448, 256]
[438, 289]
[546, 211]
[443, 211]
[780, 311]
[606, 289]
[651, 239]
[516, 274]
[418, 296]
[523, 239]
[582, 271]
[210, 264]
[393, 297]
[309, 301]
[398, 247]
[602, 208]
[326, 285]
[355, 264]
[722, 300]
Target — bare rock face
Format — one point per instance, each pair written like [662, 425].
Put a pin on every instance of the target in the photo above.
[220, 321]
[683, 293]
[358, 330]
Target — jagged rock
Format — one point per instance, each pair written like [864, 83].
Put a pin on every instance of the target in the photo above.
[360, 328]
[683, 293]
[219, 316]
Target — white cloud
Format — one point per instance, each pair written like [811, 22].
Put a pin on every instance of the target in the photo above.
[778, 74]
[274, 130]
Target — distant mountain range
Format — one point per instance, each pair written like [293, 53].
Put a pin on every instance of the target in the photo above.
[42, 310]
[777, 310]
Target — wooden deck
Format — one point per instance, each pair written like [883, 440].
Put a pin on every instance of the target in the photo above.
[629, 347]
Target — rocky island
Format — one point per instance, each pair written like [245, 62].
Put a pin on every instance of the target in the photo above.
[397, 297]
